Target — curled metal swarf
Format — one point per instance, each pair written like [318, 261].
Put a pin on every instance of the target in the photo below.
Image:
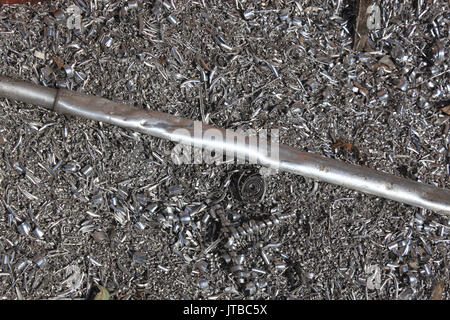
[167, 126]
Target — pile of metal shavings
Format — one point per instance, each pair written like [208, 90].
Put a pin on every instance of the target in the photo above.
[87, 205]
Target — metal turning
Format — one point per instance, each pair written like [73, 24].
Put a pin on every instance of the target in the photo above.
[185, 131]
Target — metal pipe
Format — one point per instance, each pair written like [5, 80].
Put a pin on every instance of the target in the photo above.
[194, 133]
[27, 92]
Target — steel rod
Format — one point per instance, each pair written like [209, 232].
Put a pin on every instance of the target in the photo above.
[181, 130]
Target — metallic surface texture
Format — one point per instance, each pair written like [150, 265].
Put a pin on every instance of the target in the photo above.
[181, 130]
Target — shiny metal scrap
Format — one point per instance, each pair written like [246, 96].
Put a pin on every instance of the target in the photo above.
[166, 126]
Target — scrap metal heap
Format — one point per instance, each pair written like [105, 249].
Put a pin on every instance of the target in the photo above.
[89, 205]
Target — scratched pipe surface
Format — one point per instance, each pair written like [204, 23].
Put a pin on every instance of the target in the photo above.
[166, 126]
